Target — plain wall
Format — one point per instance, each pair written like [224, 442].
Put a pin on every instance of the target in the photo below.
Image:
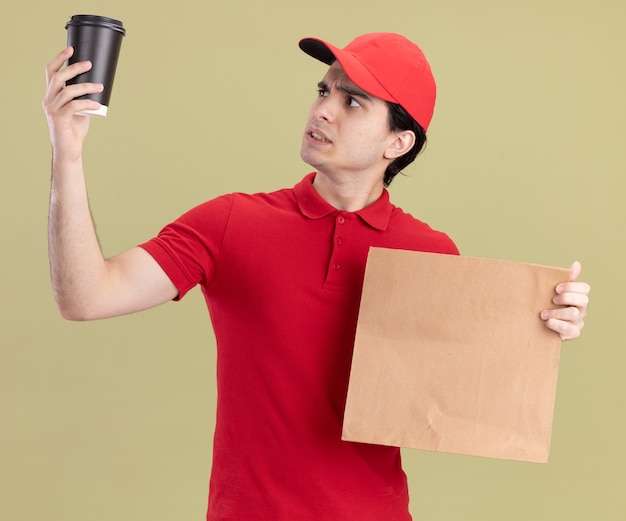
[525, 161]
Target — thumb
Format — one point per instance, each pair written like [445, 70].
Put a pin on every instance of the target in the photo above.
[574, 271]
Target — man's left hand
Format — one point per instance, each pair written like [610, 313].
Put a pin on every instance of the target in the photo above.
[573, 296]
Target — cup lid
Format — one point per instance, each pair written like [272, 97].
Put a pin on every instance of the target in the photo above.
[99, 21]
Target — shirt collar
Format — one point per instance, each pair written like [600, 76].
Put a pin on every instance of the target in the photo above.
[312, 205]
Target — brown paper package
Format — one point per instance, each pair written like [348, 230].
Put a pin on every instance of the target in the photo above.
[451, 355]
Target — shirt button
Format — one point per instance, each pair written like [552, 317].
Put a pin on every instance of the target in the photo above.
[341, 219]
[337, 267]
[339, 240]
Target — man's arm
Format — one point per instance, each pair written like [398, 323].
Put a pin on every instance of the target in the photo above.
[569, 320]
[87, 286]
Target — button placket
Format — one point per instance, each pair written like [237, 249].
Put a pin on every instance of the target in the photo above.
[339, 229]
[341, 221]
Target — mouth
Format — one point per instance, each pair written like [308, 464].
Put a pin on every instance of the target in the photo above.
[318, 136]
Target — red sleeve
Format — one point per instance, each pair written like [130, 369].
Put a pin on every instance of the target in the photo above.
[188, 249]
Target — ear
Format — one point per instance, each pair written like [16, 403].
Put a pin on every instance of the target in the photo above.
[403, 141]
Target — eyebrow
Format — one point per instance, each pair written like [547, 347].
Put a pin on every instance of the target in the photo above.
[350, 90]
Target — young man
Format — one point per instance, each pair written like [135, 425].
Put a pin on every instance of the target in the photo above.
[281, 274]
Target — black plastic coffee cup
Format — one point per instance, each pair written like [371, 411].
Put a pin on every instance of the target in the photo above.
[99, 40]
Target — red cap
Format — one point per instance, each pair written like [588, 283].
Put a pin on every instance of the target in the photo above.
[385, 65]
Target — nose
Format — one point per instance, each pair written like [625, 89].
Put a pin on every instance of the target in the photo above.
[325, 109]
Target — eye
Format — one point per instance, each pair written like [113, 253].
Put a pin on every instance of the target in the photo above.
[322, 92]
[352, 102]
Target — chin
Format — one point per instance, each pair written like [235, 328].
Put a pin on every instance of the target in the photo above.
[309, 159]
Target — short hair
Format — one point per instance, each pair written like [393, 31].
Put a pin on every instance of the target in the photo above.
[399, 119]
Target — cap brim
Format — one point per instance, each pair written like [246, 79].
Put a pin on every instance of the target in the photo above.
[318, 49]
[356, 71]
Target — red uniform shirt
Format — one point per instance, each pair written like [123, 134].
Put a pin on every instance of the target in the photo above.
[282, 276]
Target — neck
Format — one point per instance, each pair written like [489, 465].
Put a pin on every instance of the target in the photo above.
[348, 194]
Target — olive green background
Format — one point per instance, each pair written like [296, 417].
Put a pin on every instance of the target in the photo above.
[113, 420]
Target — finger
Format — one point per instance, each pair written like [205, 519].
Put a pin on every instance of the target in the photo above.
[80, 89]
[574, 270]
[67, 96]
[63, 75]
[577, 300]
[573, 287]
[566, 330]
[570, 314]
[57, 75]
[82, 105]
[573, 294]
[58, 62]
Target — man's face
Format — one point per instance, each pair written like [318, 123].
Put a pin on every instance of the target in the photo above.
[347, 130]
